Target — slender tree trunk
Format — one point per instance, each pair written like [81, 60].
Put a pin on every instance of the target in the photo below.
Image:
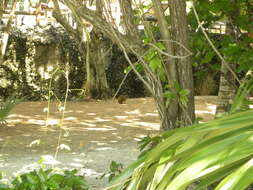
[169, 118]
[96, 85]
[99, 87]
[180, 34]
[227, 83]
[226, 91]
[6, 30]
[177, 114]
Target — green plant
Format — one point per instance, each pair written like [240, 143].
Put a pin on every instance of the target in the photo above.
[217, 153]
[115, 169]
[241, 101]
[6, 107]
[149, 142]
[47, 180]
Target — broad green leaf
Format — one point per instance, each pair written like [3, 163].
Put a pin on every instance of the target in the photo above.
[155, 63]
[160, 45]
[32, 179]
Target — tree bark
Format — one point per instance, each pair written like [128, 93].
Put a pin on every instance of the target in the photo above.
[6, 30]
[96, 84]
[227, 88]
[227, 83]
[180, 34]
[131, 42]
[177, 114]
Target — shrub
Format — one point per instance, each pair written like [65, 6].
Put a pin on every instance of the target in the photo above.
[47, 180]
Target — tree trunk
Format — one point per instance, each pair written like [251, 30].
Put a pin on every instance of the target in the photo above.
[6, 29]
[177, 114]
[169, 117]
[99, 59]
[227, 81]
[98, 86]
[131, 42]
[180, 34]
[226, 91]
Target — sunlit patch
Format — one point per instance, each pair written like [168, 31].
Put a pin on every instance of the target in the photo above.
[77, 165]
[105, 148]
[90, 114]
[36, 121]
[204, 112]
[70, 118]
[94, 141]
[49, 159]
[64, 147]
[90, 172]
[137, 139]
[121, 117]
[134, 119]
[50, 68]
[101, 120]
[101, 144]
[100, 129]
[61, 108]
[52, 122]
[90, 121]
[134, 112]
[27, 168]
[212, 108]
[152, 114]
[251, 106]
[88, 124]
[45, 109]
[35, 142]
[114, 141]
[140, 124]
[15, 120]
[18, 115]
[77, 160]
[79, 111]
[69, 111]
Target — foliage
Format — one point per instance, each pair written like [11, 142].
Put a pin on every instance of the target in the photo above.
[6, 107]
[32, 55]
[241, 101]
[116, 70]
[234, 45]
[115, 169]
[215, 153]
[47, 180]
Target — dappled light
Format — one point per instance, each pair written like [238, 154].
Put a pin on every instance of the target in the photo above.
[93, 133]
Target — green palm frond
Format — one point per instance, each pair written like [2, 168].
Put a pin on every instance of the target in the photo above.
[241, 101]
[6, 107]
[216, 153]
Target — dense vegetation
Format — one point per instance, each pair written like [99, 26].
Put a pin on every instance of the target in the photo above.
[214, 155]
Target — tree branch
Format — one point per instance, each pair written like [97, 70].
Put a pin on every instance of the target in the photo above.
[212, 45]
[101, 24]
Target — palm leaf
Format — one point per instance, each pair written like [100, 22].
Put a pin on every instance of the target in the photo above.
[218, 152]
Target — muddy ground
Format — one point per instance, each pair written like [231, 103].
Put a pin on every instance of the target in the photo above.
[94, 134]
